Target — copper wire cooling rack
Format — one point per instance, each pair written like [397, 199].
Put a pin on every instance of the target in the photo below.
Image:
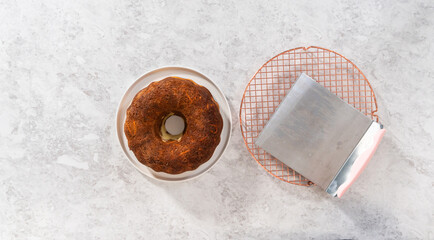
[274, 79]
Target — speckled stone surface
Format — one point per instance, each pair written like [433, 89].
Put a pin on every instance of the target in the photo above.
[64, 66]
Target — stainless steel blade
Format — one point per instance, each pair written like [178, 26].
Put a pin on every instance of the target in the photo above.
[313, 131]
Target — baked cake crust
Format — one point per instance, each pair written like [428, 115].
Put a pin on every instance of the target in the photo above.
[182, 97]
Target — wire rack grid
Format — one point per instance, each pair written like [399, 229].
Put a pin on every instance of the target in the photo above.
[274, 79]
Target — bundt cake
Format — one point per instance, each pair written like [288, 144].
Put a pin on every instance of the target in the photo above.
[148, 138]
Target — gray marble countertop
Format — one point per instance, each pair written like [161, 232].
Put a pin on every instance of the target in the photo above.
[64, 66]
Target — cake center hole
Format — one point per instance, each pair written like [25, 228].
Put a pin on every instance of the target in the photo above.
[175, 125]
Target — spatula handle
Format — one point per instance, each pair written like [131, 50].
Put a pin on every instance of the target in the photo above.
[360, 163]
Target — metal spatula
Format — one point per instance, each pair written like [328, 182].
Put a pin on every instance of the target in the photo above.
[320, 136]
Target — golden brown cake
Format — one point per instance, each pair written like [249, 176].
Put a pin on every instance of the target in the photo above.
[153, 145]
